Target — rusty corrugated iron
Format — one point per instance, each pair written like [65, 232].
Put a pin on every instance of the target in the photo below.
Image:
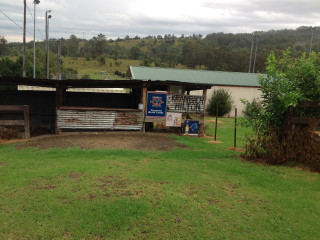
[108, 120]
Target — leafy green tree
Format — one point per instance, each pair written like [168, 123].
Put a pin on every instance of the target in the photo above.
[289, 81]
[73, 46]
[3, 46]
[221, 98]
[135, 52]
[9, 68]
[100, 43]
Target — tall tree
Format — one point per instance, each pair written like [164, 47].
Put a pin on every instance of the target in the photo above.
[101, 42]
[3, 46]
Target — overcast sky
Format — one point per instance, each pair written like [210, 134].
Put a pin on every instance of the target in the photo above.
[118, 18]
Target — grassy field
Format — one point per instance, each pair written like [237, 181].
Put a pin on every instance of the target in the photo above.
[93, 67]
[205, 192]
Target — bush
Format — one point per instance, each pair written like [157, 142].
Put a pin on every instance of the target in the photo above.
[102, 60]
[252, 109]
[300, 146]
[221, 98]
[85, 76]
[251, 113]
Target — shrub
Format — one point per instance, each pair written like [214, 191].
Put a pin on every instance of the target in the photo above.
[102, 60]
[300, 146]
[221, 98]
[252, 109]
[85, 76]
[251, 113]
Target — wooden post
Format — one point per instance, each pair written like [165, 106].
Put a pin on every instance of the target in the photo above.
[215, 130]
[202, 120]
[235, 128]
[26, 121]
[58, 105]
[59, 59]
[144, 102]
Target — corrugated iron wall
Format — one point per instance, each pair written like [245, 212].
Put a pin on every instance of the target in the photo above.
[99, 119]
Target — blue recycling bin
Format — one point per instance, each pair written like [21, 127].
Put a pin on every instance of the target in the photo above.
[191, 127]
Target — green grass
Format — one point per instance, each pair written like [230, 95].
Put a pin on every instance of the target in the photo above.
[94, 67]
[205, 192]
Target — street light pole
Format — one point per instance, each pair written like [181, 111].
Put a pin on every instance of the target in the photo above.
[47, 43]
[34, 37]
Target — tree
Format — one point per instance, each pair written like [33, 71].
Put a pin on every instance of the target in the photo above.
[135, 52]
[3, 46]
[289, 81]
[73, 46]
[221, 98]
[101, 42]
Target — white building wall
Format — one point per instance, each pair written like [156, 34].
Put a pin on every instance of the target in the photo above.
[248, 93]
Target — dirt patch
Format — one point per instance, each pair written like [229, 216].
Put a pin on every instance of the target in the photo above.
[105, 140]
[236, 149]
[214, 141]
[75, 176]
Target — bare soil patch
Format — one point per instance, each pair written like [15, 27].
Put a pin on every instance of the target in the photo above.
[105, 140]
[236, 149]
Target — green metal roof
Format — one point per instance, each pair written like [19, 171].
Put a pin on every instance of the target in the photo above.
[194, 76]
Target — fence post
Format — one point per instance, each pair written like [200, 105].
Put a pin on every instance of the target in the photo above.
[235, 128]
[215, 131]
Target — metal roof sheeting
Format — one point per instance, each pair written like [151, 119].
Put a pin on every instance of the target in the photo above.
[195, 76]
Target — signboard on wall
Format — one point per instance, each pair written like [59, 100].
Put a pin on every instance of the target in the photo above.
[156, 104]
[185, 103]
[173, 119]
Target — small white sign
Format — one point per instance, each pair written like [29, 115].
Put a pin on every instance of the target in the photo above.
[173, 119]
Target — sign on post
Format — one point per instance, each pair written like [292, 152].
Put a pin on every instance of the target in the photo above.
[186, 103]
[156, 104]
[173, 119]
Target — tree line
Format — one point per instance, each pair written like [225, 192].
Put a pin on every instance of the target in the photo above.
[216, 51]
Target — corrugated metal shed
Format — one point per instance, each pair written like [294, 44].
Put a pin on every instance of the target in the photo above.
[195, 76]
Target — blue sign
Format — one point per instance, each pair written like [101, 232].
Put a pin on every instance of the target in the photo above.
[156, 105]
[191, 127]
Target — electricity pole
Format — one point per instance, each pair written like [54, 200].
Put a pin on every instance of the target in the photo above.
[34, 37]
[251, 53]
[58, 57]
[311, 41]
[255, 56]
[47, 43]
[24, 40]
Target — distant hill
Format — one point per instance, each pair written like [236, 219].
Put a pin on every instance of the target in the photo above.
[216, 51]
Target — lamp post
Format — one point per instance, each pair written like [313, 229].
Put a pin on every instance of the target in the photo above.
[34, 37]
[47, 43]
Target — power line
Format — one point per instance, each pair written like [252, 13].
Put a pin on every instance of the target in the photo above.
[29, 12]
[11, 19]
[14, 22]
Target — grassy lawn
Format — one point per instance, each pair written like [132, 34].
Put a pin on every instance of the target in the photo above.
[205, 192]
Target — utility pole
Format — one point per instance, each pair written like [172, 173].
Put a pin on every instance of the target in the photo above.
[255, 56]
[34, 37]
[311, 41]
[251, 52]
[58, 57]
[24, 74]
[47, 43]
